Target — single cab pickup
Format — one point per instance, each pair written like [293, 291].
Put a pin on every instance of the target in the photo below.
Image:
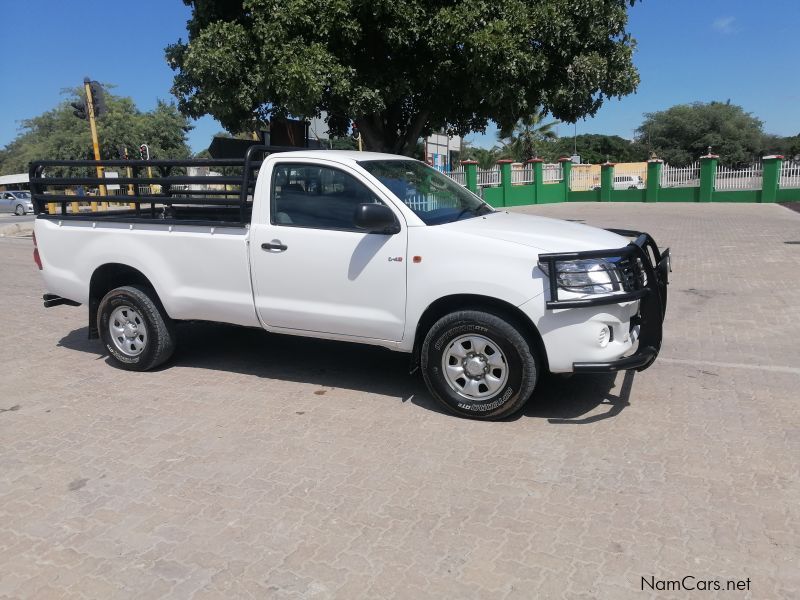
[355, 246]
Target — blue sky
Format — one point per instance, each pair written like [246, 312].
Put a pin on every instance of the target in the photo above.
[687, 51]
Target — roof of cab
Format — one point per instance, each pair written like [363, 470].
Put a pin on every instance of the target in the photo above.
[349, 156]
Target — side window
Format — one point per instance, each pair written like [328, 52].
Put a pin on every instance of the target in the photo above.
[304, 195]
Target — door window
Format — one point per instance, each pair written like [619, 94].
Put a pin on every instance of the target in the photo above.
[317, 197]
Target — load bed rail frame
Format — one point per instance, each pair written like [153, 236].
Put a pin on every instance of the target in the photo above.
[231, 205]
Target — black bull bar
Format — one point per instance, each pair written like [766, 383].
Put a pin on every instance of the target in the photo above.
[644, 272]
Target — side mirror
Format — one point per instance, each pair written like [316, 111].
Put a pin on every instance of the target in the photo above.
[376, 218]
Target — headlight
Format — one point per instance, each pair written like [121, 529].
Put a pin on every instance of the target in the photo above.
[590, 276]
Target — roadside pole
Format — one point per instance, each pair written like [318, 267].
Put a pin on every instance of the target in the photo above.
[144, 152]
[51, 207]
[129, 172]
[356, 135]
[95, 143]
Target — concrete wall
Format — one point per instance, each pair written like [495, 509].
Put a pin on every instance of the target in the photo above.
[540, 193]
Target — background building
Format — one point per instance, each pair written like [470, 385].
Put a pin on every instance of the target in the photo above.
[17, 181]
[442, 151]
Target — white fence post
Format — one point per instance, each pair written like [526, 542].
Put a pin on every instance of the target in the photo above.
[790, 174]
[749, 178]
[688, 176]
[458, 175]
[552, 173]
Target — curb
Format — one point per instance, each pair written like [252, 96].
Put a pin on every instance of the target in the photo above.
[16, 229]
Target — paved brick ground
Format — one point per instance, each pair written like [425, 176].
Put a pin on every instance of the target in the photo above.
[11, 218]
[269, 467]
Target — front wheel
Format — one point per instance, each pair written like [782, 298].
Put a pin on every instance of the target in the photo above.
[478, 365]
[135, 329]
[19, 210]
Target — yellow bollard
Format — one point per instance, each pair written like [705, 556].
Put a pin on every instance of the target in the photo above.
[73, 205]
[131, 189]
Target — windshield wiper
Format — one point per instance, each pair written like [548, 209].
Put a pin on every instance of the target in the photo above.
[487, 206]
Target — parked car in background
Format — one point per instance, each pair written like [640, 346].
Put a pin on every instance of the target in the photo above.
[625, 182]
[628, 182]
[17, 201]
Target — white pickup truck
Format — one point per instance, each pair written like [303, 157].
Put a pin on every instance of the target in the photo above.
[355, 246]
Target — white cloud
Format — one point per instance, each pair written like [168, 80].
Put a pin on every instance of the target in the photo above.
[725, 25]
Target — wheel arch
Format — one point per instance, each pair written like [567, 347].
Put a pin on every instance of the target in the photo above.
[455, 302]
[107, 277]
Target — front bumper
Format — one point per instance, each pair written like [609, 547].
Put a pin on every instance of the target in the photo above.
[647, 276]
[640, 360]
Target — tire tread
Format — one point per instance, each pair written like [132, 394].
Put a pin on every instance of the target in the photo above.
[163, 333]
[509, 328]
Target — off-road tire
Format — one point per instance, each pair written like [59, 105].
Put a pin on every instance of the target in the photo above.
[520, 356]
[160, 330]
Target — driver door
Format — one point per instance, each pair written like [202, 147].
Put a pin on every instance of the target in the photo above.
[313, 270]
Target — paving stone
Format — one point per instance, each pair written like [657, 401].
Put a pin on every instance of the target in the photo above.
[228, 474]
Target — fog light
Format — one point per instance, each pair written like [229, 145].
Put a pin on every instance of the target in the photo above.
[604, 337]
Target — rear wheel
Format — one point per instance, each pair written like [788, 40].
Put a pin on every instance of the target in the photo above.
[135, 329]
[478, 365]
[19, 210]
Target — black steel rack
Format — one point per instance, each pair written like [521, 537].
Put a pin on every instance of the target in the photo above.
[178, 198]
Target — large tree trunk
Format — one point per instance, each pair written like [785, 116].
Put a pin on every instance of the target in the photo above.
[380, 132]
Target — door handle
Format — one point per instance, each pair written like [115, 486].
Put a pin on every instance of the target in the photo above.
[274, 246]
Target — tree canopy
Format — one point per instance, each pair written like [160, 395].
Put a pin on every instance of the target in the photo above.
[485, 157]
[58, 134]
[402, 69]
[683, 133]
[596, 148]
[527, 137]
[788, 146]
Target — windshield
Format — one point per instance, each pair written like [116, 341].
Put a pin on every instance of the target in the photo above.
[434, 197]
[21, 194]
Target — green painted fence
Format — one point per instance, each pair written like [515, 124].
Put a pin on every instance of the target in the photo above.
[508, 194]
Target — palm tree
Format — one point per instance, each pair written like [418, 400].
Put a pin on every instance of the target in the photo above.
[486, 157]
[522, 139]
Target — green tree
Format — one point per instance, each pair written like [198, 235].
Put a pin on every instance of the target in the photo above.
[596, 148]
[485, 157]
[789, 147]
[402, 69]
[342, 143]
[58, 134]
[527, 137]
[683, 133]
